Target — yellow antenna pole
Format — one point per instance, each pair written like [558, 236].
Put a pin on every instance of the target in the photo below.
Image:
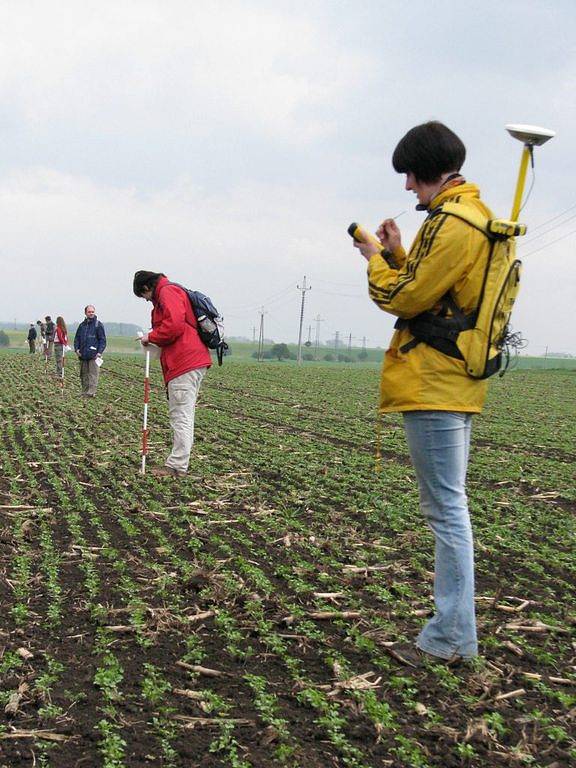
[526, 153]
[531, 136]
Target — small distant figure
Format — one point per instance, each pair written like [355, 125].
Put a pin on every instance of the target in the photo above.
[50, 330]
[89, 344]
[41, 339]
[60, 344]
[32, 335]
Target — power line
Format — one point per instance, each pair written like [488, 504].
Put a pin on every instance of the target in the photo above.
[333, 282]
[268, 300]
[547, 232]
[345, 295]
[558, 216]
[542, 247]
[284, 302]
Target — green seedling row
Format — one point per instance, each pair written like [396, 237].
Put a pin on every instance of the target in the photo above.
[242, 617]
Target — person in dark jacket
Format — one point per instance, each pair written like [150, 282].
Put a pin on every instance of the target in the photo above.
[89, 344]
[50, 331]
[32, 335]
[184, 359]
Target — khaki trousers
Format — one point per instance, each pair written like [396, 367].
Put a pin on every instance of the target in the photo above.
[182, 394]
[89, 373]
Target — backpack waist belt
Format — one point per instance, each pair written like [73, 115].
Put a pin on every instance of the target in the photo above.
[438, 332]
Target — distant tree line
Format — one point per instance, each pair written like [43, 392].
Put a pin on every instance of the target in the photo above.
[112, 329]
[282, 352]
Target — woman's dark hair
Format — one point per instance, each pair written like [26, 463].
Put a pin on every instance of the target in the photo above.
[61, 324]
[144, 280]
[428, 151]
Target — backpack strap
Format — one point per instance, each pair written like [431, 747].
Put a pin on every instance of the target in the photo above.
[185, 291]
[471, 216]
[438, 330]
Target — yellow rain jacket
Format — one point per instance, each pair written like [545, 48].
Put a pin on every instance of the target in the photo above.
[447, 255]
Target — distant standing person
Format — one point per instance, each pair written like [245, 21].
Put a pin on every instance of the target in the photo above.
[184, 358]
[41, 341]
[50, 332]
[89, 344]
[32, 338]
[60, 344]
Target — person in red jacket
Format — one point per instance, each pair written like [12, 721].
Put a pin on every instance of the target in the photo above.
[184, 359]
[60, 344]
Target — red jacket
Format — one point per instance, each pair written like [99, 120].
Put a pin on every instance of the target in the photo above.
[174, 328]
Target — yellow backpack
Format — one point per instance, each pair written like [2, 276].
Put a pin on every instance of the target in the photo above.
[482, 338]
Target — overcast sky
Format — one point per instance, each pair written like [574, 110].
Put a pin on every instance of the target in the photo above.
[230, 143]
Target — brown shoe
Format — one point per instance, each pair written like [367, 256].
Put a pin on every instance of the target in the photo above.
[412, 656]
[166, 472]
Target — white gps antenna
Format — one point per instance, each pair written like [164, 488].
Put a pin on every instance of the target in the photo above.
[531, 136]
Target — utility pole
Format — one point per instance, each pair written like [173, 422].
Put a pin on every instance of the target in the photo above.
[318, 320]
[253, 334]
[261, 336]
[336, 340]
[303, 289]
[350, 343]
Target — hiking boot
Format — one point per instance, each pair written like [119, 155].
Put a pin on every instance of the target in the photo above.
[166, 472]
[412, 656]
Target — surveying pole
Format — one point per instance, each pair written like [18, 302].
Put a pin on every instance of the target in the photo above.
[303, 289]
[145, 430]
[63, 366]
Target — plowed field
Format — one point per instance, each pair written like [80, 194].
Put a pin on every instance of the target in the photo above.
[241, 616]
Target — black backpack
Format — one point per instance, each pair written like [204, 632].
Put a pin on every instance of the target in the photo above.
[210, 322]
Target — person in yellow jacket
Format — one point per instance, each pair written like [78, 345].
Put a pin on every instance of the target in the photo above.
[441, 273]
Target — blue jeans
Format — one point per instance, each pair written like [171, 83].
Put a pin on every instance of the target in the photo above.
[439, 443]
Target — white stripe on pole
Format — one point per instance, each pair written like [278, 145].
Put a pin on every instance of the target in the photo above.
[145, 422]
[63, 363]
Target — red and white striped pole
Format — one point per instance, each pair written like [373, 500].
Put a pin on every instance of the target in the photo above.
[62, 374]
[145, 422]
